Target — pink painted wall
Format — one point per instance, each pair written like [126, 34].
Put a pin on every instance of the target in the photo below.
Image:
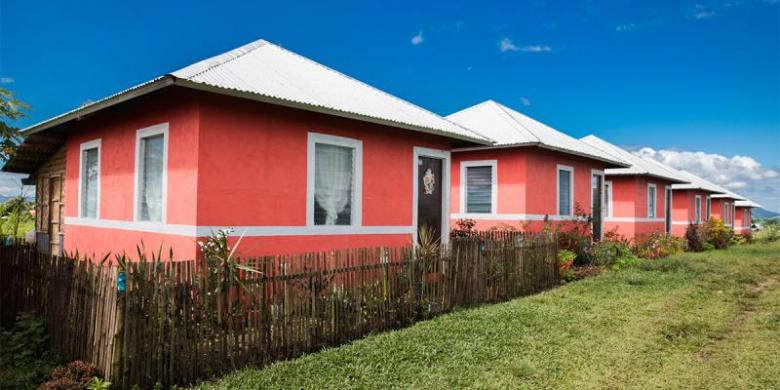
[233, 162]
[630, 200]
[718, 208]
[742, 220]
[683, 209]
[527, 184]
[116, 128]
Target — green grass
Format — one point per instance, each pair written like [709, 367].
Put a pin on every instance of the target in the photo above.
[707, 320]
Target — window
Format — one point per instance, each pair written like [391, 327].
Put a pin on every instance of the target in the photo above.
[608, 198]
[697, 211]
[733, 212]
[726, 213]
[651, 199]
[89, 179]
[708, 212]
[565, 190]
[479, 194]
[334, 181]
[151, 173]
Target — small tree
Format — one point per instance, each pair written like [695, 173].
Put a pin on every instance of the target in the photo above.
[11, 110]
[14, 212]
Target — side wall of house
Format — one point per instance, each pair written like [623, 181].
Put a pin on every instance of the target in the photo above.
[630, 205]
[684, 210]
[742, 220]
[50, 203]
[527, 186]
[253, 177]
[115, 230]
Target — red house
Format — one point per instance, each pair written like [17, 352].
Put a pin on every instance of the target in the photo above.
[533, 173]
[290, 154]
[638, 198]
[724, 207]
[743, 221]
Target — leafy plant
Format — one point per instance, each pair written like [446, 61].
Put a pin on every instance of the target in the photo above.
[718, 234]
[465, 228]
[577, 236]
[770, 233]
[656, 245]
[25, 358]
[11, 110]
[76, 375]
[695, 237]
[610, 249]
[98, 384]
[565, 263]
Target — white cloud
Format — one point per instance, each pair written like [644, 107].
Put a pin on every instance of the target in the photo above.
[6, 80]
[11, 184]
[624, 27]
[536, 48]
[418, 39]
[506, 45]
[742, 174]
[525, 101]
[702, 12]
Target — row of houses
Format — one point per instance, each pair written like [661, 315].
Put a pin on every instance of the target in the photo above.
[293, 156]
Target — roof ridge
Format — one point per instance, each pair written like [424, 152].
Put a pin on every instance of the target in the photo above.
[234, 54]
[504, 110]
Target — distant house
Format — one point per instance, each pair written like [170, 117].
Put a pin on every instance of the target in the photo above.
[724, 207]
[743, 220]
[533, 173]
[638, 198]
[290, 154]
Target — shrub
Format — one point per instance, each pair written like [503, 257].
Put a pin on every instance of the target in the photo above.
[656, 245]
[718, 234]
[745, 238]
[565, 262]
[611, 249]
[695, 237]
[465, 228]
[770, 233]
[576, 236]
[25, 359]
[76, 375]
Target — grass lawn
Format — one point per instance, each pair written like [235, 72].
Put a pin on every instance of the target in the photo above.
[707, 320]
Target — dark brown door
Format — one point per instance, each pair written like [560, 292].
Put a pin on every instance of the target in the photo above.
[598, 200]
[668, 210]
[429, 194]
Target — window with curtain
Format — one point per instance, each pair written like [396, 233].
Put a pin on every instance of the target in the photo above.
[697, 211]
[564, 192]
[150, 185]
[708, 212]
[479, 189]
[89, 182]
[608, 197]
[333, 184]
[651, 201]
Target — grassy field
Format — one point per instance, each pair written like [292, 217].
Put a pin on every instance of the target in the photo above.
[708, 320]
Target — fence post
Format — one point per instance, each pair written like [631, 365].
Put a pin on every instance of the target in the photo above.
[119, 327]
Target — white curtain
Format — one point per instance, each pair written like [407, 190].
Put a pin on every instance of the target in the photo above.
[332, 183]
[564, 194]
[151, 180]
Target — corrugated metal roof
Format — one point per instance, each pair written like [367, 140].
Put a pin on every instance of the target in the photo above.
[266, 69]
[511, 128]
[639, 166]
[269, 73]
[747, 203]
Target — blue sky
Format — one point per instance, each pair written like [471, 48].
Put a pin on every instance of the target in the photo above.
[679, 76]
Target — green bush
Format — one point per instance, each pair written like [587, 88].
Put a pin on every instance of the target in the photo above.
[611, 249]
[695, 237]
[770, 233]
[565, 262]
[25, 359]
[656, 245]
[718, 234]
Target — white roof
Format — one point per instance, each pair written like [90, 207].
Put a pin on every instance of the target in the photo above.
[747, 203]
[511, 128]
[266, 72]
[639, 165]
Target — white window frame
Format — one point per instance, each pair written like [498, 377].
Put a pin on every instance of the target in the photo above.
[727, 218]
[697, 212]
[608, 195]
[655, 200]
[140, 134]
[570, 169]
[356, 208]
[493, 164]
[94, 144]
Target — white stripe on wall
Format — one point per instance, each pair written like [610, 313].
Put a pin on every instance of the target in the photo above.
[247, 231]
[632, 219]
[511, 217]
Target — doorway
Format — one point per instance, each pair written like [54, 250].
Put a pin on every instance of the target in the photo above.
[668, 210]
[429, 195]
[597, 197]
